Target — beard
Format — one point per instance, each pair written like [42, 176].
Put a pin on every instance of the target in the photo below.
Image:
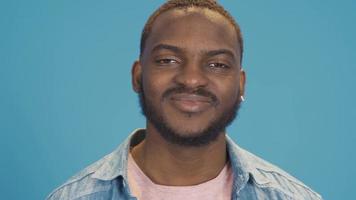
[196, 139]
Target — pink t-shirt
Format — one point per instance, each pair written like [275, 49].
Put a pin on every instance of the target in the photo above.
[143, 188]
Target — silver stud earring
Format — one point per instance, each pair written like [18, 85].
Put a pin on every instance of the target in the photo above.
[242, 98]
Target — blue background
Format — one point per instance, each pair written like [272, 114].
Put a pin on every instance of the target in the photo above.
[66, 98]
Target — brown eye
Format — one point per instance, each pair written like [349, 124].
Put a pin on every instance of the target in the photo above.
[218, 66]
[166, 61]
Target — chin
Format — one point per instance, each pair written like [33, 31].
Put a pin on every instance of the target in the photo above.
[187, 127]
[189, 132]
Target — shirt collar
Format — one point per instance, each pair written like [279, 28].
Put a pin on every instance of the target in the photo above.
[245, 165]
[115, 163]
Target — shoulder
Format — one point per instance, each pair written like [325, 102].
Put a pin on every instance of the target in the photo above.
[81, 184]
[99, 179]
[271, 179]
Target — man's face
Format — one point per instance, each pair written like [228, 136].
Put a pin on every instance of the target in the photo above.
[189, 77]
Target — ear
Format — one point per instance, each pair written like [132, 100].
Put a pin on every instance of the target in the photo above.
[136, 75]
[242, 81]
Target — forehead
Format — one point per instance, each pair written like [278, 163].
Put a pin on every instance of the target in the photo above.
[197, 28]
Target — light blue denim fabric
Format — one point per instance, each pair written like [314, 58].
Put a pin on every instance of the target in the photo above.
[254, 178]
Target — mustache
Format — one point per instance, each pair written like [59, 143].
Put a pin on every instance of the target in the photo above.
[198, 91]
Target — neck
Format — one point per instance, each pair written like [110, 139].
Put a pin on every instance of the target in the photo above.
[169, 164]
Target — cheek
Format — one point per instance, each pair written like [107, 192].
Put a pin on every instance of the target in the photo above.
[229, 92]
[154, 85]
[231, 96]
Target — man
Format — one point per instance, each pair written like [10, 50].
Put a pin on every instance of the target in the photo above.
[190, 85]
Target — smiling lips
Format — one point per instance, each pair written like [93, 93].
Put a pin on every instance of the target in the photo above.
[191, 103]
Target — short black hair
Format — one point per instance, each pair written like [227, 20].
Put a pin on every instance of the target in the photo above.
[182, 4]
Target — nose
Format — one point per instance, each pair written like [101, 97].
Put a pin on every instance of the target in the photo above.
[191, 76]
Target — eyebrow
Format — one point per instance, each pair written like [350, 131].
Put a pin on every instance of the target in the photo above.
[167, 47]
[220, 51]
[210, 53]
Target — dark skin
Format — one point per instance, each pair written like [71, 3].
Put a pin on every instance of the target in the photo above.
[196, 48]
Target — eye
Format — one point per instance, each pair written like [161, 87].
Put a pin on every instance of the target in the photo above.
[166, 61]
[218, 66]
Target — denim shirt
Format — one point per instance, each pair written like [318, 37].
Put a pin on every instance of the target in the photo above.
[254, 178]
